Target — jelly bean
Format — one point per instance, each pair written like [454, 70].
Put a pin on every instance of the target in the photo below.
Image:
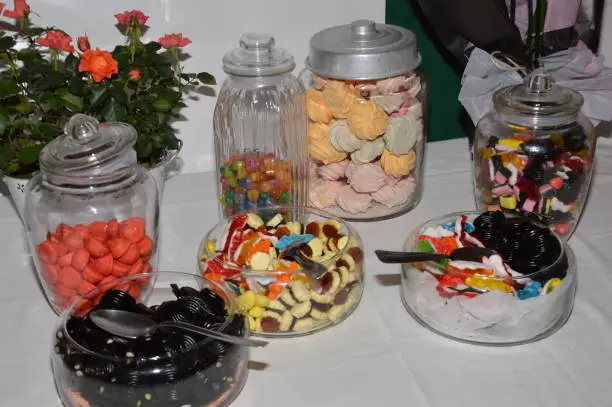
[232, 181]
[284, 197]
[257, 176]
[233, 166]
[230, 200]
[508, 202]
[261, 202]
[244, 183]
[241, 172]
[264, 195]
[253, 195]
[531, 291]
[276, 192]
[265, 187]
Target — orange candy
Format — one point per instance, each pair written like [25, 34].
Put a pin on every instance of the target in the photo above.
[69, 277]
[130, 256]
[95, 247]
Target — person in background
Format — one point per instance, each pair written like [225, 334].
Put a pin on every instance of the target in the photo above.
[501, 25]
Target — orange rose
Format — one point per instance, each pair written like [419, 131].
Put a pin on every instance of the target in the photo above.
[56, 40]
[100, 64]
[134, 74]
[135, 17]
[20, 8]
[174, 40]
[83, 43]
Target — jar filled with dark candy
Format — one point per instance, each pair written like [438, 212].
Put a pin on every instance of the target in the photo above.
[533, 154]
[164, 367]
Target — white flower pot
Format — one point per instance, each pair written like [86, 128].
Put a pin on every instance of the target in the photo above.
[17, 186]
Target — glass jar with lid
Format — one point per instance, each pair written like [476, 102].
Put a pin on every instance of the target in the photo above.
[366, 106]
[91, 212]
[260, 129]
[533, 154]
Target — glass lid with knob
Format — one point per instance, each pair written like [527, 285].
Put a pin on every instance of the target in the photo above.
[258, 56]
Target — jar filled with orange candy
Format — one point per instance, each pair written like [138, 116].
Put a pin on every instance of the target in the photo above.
[260, 129]
[91, 212]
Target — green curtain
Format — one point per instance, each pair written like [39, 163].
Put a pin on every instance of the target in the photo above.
[446, 114]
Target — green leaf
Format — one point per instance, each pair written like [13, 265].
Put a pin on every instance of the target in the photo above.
[52, 80]
[98, 96]
[72, 63]
[70, 101]
[206, 78]
[4, 120]
[117, 92]
[6, 43]
[52, 101]
[6, 152]
[152, 47]
[24, 108]
[49, 131]
[77, 86]
[170, 141]
[120, 50]
[8, 88]
[114, 111]
[11, 168]
[28, 155]
[162, 104]
[143, 146]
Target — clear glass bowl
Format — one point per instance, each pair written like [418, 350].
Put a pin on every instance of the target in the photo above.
[283, 302]
[497, 316]
[167, 367]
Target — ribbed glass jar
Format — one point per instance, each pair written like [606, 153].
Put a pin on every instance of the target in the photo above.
[260, 129]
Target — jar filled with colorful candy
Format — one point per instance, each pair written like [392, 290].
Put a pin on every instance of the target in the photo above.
[92, 212]
[533, 154]
[366, 103]
[260, 129]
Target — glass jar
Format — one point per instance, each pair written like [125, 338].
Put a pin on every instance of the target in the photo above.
[275, 293]
[91, 212]
[166, 367]
[523, 294]
[260, 129]
[366, 103]
[533, 154]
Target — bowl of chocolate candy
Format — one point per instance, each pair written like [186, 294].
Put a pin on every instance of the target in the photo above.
[521, 289]
[167, 366]
[294, 270]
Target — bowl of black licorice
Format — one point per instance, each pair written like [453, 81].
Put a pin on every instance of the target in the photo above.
[165, 367]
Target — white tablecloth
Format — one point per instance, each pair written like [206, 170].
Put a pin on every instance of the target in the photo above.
[379, 356]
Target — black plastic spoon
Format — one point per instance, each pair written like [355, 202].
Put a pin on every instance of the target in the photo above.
[469, 253]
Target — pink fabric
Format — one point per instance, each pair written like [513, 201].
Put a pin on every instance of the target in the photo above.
[560, 14]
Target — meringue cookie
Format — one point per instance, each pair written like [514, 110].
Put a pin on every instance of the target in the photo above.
[395, 195]
[367, 90]
[367, 120]
[317, 108]
[340, 98]
[318, 82]
[323, 151]
[323, 194]
[389, 103]
[351, 201]
[342, 139]
[397, 165]
[402, 134]
[412, 84]
[370, 151]
[333, 171]
[318, 131]
[349, 169]
[367, 178]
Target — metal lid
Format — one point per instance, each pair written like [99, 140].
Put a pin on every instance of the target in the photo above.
[538, 101]
[89, 148]
[363, 50]
[257, 56]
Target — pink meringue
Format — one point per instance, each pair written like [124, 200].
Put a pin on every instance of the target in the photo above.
[368, 178]
[397, 194]
[353, 202]
[334, 171]
[410, 84]
[349, 169]
[323, 194]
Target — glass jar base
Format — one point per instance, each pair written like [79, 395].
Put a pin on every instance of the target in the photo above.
[376, 212]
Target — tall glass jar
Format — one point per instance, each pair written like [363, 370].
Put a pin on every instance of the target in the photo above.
[366, 104]
[533, 154]
[260, 129]
[91, 212]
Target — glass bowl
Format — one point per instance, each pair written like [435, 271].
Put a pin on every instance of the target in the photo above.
[168, 367]
[482, 308]
[277, 296]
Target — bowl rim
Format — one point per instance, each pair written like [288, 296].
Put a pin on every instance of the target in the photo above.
[566, 251]
[205, 255]
[68, 312]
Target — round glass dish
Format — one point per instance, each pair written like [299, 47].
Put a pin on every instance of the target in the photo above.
[167, 367]
[277, 296]
[501, 314]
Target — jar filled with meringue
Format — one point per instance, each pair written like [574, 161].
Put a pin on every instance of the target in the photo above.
[366, 103]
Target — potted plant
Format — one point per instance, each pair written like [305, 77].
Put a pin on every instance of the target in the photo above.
[45, 78]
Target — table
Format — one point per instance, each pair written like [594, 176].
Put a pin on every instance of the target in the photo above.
[378, 356]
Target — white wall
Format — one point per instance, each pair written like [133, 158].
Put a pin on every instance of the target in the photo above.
[214, 26]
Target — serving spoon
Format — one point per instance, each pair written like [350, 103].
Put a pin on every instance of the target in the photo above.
[132, 325]
[468, 253]
[314, 270]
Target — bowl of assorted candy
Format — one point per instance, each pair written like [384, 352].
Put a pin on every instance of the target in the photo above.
[522, 291]
[164, 367]
[294, 270]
